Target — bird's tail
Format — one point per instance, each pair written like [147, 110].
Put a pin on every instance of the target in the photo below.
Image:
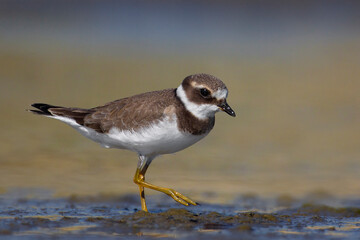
[77, 114]
[42, 109]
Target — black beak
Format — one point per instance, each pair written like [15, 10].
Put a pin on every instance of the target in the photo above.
[226, 108]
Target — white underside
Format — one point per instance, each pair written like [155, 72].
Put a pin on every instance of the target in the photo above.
[162, 137]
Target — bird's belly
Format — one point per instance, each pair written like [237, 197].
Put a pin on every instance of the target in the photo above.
[161, 138]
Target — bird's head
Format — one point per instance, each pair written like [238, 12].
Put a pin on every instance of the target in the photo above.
[203, 95]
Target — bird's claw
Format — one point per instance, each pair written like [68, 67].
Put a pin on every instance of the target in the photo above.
[180, 198]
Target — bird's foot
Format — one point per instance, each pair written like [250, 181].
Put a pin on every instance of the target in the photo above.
[139, 179]
[179, 197]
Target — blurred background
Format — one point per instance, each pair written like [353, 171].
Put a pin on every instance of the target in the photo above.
[292, 68]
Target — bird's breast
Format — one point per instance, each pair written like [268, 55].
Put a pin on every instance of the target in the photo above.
[161, 137]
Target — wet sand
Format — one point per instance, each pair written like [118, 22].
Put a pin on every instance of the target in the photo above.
[118, 216]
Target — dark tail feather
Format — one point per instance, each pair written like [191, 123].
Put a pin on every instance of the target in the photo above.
[43, 108]
[77, 114]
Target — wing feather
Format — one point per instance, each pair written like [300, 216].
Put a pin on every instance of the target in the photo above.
[130, 113]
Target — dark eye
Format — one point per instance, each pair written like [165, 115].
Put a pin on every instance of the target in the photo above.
[204, 92]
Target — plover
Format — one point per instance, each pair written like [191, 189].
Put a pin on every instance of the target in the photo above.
[151, 124]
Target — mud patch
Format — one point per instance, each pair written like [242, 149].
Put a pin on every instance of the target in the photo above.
[108, 217]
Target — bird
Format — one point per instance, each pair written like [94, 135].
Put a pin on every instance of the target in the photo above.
[150, 124]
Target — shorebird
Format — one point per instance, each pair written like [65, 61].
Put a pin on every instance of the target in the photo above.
[150, 124]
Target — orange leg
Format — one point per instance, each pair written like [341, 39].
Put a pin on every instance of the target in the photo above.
[139, 179]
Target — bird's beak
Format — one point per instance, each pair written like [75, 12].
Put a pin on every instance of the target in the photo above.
[226, 108]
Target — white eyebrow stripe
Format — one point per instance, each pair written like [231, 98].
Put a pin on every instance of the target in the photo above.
[198, 86]
[220, 94]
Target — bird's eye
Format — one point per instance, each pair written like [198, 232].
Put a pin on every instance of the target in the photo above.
[204, 92]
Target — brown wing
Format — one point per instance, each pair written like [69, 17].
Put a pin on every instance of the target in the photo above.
[130, 113]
